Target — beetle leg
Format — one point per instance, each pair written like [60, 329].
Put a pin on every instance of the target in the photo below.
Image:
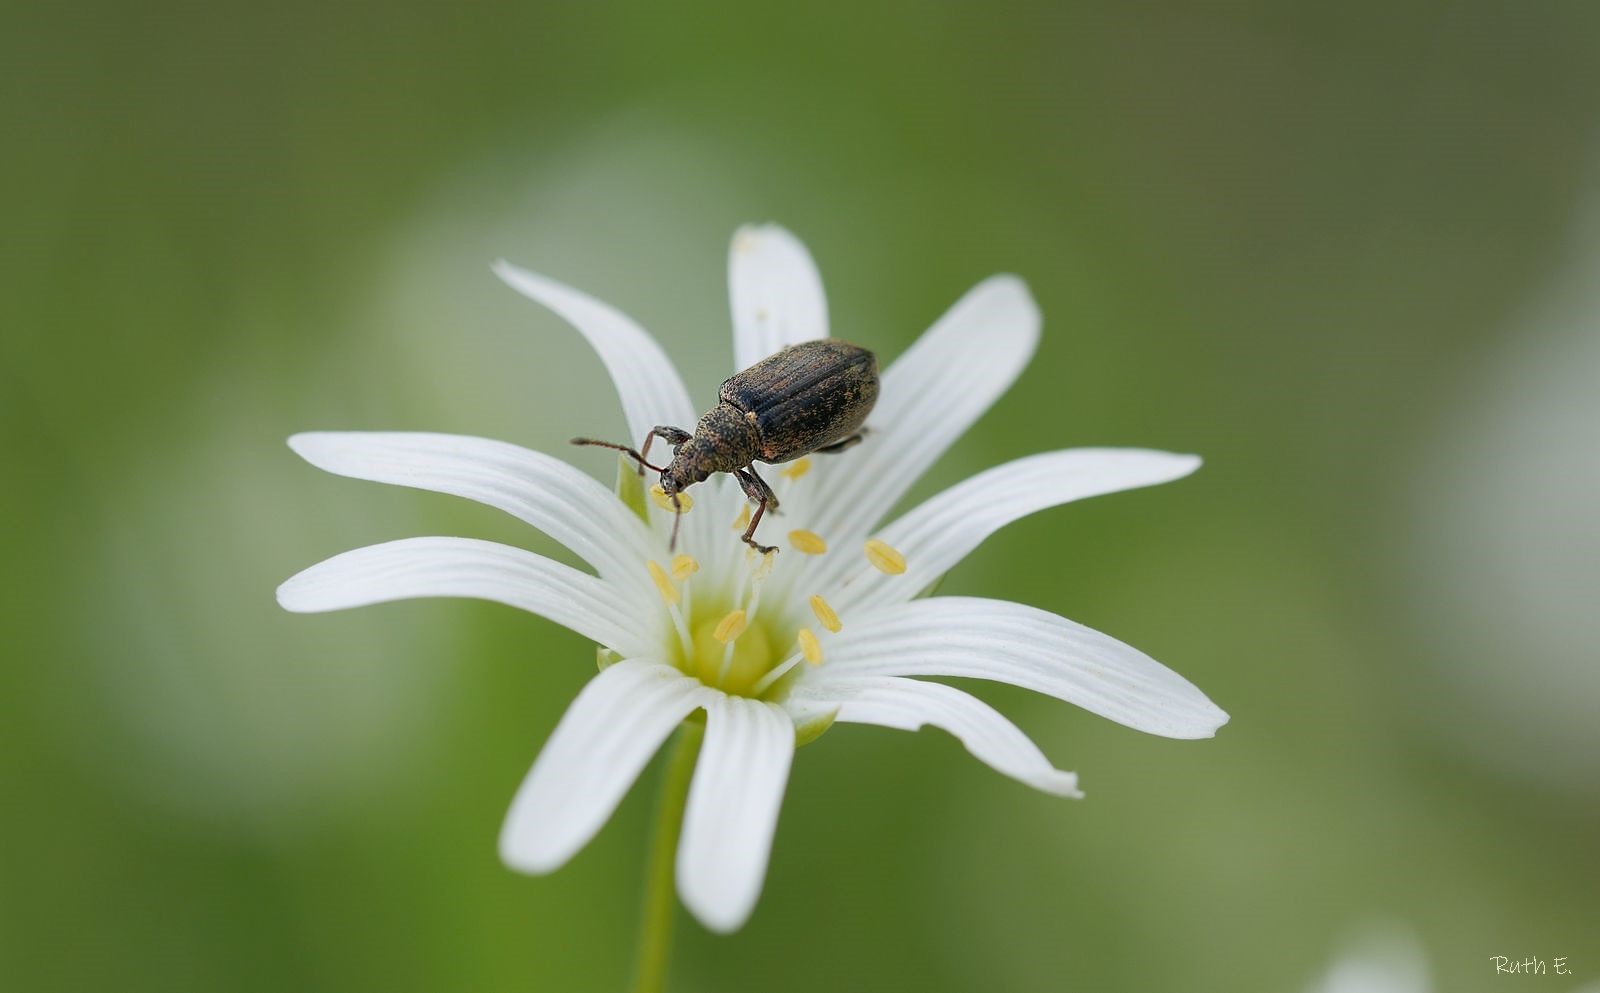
[840, 446]
[756, 488]
[761, 494]
[671, 435]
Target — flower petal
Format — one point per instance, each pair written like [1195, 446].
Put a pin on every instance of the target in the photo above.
[941, 531]
[909, 704]
[733, 809]
[776, 293]
[467, 567]
[649, 386]
[1027, 647]
[930, 396]
[549, 494]
[602, 743]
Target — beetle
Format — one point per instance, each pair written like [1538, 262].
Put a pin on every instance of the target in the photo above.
[805, 398]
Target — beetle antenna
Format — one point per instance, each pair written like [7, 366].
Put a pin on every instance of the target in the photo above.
[624, 449]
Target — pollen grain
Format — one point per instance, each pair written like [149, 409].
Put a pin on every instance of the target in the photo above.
[825, 614]
[885, 558]
[808, 542]
[794, 470]
[659, 497]
[809, 646]
[684, 566]
[730, 627]
[664, 586]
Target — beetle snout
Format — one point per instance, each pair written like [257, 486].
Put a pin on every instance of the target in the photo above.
[674, 479]
[685, 469]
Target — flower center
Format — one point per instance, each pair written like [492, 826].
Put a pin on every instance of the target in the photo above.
[735, 665]
[725, 640]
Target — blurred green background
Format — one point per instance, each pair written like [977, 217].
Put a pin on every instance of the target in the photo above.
[1344, 252]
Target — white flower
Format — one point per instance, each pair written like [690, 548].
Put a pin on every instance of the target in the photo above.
[719, 629]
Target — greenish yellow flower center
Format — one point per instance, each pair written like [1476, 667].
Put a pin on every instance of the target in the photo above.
[726, 641]
[735, 665]
[733, 646]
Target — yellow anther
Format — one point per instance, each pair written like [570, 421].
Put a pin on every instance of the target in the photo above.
[664, 585]
[684, 566]
[658, 496]
[743, 520]
[825, 614]
[730, 627]
[885, 558]
[808, 541]
[796, 469]
[809, 646]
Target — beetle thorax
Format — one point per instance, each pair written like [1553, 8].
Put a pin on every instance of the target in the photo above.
[723, 441]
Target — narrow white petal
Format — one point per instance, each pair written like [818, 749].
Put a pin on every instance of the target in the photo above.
[909, 704]
[776, 293]
[1027, 647]
[602, 743]
[940, 532]
[485, 570]
[649, 386]
[733, 809]
[549, 494]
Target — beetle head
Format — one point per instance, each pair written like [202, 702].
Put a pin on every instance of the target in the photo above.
[688, 466]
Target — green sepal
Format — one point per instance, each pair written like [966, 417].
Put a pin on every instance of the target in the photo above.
[630, 488]
[605, 658]
[812, 729]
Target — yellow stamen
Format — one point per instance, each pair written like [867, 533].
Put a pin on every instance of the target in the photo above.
[658, 496]
[825, 614]
[684, 566]
[809, 646]
[743, 520]
[664, 586]
[796, 469]
[730, 627]
[885, 558]
[808, 541]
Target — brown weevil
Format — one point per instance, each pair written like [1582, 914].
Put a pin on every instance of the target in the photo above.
[810, 397]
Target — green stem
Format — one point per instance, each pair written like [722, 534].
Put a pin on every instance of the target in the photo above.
[660, 896]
